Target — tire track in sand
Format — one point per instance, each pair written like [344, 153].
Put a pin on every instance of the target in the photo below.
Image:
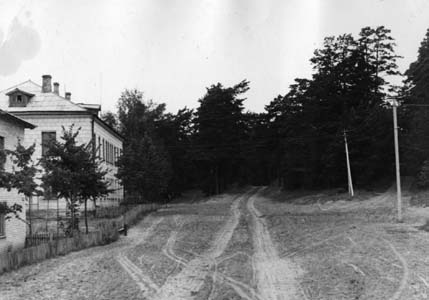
[144, 282]
[243, 290]
[187, 283]
[276, 277]
[167, 250]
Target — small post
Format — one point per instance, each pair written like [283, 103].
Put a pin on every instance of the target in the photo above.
[47, 215]
[349, 172]
[398, 172]
[58, 217]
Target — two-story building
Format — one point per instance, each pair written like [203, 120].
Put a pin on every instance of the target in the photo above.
[43, 106]
[13, 230]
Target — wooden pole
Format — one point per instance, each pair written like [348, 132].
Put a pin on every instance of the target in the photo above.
[58, 217]
[30, 215]
[47, 215]
[349, 172]
[398, 172]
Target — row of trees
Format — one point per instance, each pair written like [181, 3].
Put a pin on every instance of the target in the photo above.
[298, 141]
[415, 117]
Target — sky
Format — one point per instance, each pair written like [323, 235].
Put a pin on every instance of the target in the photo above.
[172, 50]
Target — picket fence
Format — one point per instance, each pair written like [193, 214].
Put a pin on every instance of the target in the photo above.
[107, 232]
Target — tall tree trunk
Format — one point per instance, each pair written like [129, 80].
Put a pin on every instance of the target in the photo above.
[86, 219]
[95, 206]
[71, 218]
[73, 215]
[29, 215]
[217, 179]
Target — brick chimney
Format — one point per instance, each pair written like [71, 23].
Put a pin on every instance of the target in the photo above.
[56, 88]
[46, 84]
[68, 95]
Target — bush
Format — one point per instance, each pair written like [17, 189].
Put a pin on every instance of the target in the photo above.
[423, 176]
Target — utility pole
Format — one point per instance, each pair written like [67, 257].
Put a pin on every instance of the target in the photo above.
[398, 173]
[349, 172]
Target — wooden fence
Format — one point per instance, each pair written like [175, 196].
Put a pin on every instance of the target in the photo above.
[16, 259]
[37, 239]
[106, 232]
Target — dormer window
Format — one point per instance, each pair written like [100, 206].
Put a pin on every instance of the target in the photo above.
[19, 98]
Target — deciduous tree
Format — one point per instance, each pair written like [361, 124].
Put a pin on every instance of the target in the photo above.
[72, 173]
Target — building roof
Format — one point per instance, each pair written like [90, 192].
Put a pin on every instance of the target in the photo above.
[90, 106]
[47, 103]
[108, 127]
[7, 116]
[40, 101]
[17, 90]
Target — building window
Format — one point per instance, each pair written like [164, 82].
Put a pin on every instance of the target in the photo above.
[48, 137]
[2, 153]
[99, 147]
[48, 194]
[106, 155]
[107, 152]
[2, 223]
[17, 100]
[111, 153]
[104, 150]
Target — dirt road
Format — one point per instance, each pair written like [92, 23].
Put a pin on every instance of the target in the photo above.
[244, 246]
[276, 276]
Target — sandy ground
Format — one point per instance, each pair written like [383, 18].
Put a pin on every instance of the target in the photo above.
[253, 245]
[352, 249]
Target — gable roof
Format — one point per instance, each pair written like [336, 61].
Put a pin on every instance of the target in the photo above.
[47, 102]
[17, 90]
[10, 117]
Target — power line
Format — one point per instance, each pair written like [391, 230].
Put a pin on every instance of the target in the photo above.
[414, 105]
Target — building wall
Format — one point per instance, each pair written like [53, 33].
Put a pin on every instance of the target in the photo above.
[101, 133]
[55, 123]
[84, 122]
[15, 229]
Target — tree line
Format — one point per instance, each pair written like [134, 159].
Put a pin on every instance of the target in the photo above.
[298, 141]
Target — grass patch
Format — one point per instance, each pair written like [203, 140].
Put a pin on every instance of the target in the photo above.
[424, 227]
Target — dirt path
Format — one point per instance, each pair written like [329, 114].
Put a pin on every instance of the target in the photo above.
[242, 246]
[168, 251]
[276, 277]
[143, 281]
[93, 273]
[190, 280]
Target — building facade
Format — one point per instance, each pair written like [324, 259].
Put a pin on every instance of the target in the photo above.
[13, 230]
[50, 112]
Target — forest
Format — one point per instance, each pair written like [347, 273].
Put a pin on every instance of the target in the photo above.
[297, 142]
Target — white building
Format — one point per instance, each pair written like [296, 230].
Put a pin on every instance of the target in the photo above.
[13, 230]
[49, 111]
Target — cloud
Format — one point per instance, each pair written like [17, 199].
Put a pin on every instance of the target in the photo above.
[22, 43]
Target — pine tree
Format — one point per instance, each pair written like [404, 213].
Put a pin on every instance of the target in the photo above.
[145, 167]
[415, 118]
[220, 129]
